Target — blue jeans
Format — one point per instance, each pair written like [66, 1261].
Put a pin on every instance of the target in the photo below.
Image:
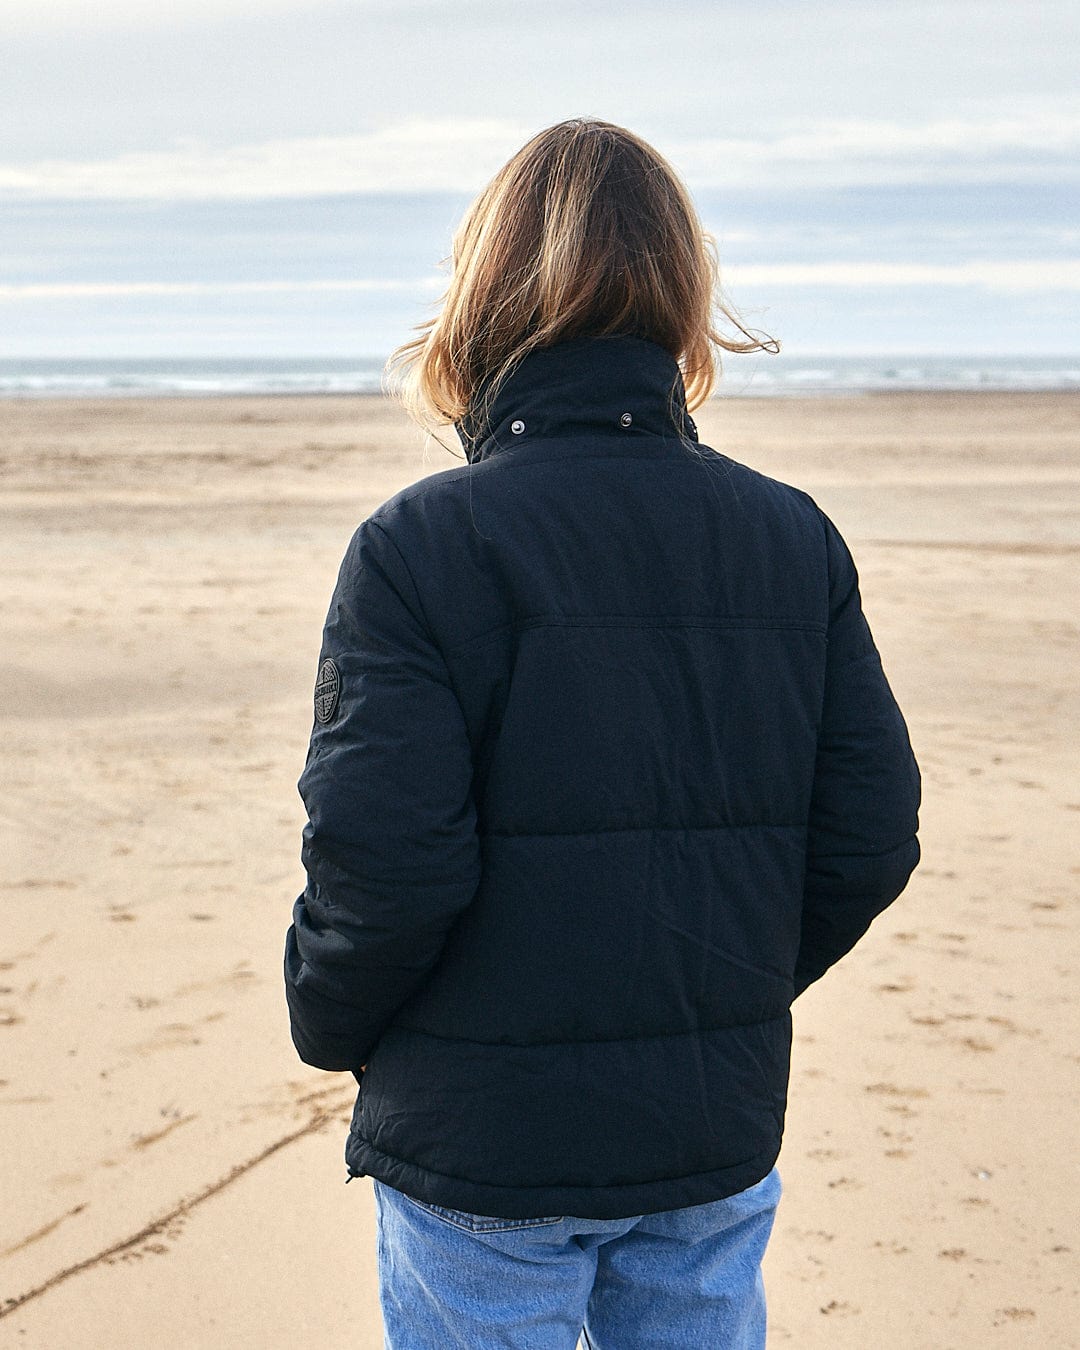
[681, 1278]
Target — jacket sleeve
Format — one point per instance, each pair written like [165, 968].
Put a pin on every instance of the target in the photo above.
[861, 843]
[390, 848]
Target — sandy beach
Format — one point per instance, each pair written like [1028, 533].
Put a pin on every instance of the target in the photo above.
[173, 1175]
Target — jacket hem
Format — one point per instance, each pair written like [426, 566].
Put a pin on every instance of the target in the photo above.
[609, 1201]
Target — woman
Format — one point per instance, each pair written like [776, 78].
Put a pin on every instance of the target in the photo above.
[604, 772]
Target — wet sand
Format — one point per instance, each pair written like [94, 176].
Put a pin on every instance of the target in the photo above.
[173, 1174]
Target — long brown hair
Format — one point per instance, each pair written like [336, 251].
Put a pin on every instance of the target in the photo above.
[586, 231]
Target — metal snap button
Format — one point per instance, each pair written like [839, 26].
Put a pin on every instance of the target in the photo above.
[625, 420]
[517, 427]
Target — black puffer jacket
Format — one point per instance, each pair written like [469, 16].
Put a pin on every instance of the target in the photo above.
[604, 772]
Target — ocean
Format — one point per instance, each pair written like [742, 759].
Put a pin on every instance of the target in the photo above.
[753, 376]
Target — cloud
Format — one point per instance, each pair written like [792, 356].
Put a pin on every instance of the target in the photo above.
[64, 15]
[1014, 276]
[84, 290]
[420, 155]
[993, 275]
[446, 154]
[837, 153]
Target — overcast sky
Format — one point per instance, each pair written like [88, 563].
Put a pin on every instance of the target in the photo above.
[230, 176]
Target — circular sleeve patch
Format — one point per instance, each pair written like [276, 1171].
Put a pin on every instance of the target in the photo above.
[327, 690]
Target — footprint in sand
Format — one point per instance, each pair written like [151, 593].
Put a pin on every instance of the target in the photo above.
[171, 1036]
[893, 1090]
[240, 975]
[1002, 1316]
[1007, 1024]
[813, 1233]
[898, 1141]
[837, 1308]
[893, 1248]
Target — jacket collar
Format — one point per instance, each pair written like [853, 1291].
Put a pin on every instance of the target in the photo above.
[586, 386]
